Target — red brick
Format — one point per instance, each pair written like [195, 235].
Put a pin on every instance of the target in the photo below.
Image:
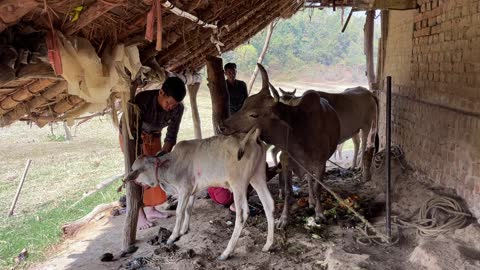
[424, 23]
[436, 29]
[418, 25]
[470, 32]
[476, 19]
[446, 26]
[448, 35]
[423, 32]
[458, 12]
[458, 68]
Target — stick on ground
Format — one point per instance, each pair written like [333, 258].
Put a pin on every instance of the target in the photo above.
[10, 213]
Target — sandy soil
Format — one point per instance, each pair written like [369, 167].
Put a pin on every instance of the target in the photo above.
[330, 246]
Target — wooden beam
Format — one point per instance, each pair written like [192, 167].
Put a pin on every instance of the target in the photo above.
[133, 191]
[395, 4]
[382, 49]
[368, 49]
[192, 93]
[218, 91]
[92, 13]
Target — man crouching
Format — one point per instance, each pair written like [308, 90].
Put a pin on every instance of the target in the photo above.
[232, 162]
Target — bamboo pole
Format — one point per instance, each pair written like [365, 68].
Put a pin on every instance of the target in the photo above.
[218, 91]
[192, 93]
[20, 185]
[262, 54]
[348, 20]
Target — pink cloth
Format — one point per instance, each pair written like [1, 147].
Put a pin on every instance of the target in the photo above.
[221, 195]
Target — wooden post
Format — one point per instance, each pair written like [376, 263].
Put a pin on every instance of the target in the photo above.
[22, 180]
[133, 191]
[262, 54]
[218, 91]
[382, 46]
[368, 49]
[192, 93]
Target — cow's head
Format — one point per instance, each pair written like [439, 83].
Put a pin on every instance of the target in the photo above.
[259, 110]
[146, 170]
[287, 96]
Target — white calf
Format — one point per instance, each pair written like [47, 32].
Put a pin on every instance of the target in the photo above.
[232, 162]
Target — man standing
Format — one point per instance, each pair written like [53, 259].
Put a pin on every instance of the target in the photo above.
[158, 109]
[237, 92]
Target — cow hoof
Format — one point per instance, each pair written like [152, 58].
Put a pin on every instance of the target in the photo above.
[281, 223]
[170, 240]
[266, 248]
[222, 257]
[320, 219]
[311, 203]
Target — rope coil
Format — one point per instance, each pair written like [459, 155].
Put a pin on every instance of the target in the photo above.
[436, 216]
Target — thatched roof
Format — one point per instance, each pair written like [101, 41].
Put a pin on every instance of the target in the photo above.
[29, 87]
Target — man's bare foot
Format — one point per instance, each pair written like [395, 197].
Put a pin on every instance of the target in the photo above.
[142, 222]
[151, 213]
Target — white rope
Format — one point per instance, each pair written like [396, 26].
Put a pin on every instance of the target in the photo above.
[217, 43]
[214, 38]
[187, 15]
[429, 222]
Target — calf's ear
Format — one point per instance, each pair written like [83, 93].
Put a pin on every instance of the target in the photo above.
[132, 175]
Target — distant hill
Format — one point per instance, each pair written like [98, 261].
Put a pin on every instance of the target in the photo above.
[309, 47]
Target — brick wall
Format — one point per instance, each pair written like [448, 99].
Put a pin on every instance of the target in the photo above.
[433, 56]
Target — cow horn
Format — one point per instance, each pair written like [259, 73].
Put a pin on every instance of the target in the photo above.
[281, 91]
[264, 79]
[294, 91]
[276, 97]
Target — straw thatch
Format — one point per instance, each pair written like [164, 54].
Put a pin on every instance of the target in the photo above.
[29, 88]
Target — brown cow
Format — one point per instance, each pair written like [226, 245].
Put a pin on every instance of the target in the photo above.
[308, 132]
[357, 109]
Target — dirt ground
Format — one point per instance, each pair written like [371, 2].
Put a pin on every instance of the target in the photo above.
[329, 246]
